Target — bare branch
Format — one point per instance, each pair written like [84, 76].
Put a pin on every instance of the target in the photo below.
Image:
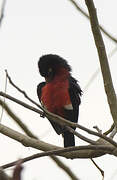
[59, 152]
[30, 134]
[2, 11]
[77, 6]
[108, 85]
[21, 91]
[89, 151]
[3, 100]
[65, 168]
[59, 163]
[98, 134]
[98, 130]
[94, 75]
[21, 103]
[81, 136]
[109, 130]
[101, 171]
[60, 120]
[113, 133]
[16, 119]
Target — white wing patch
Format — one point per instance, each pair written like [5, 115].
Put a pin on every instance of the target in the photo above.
[68, 107]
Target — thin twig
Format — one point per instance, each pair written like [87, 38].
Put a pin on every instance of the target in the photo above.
[113, 133]
[98, 130]
[5, 89]
[2, 11]
[21, 91]
[17, 120]
[109, 130]
[21, 103]
[68, 170]
[101, 171]
[98, 134]
[95, 74]
[81, 136]
[77, 6]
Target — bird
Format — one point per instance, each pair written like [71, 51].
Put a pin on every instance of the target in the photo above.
[60, 93]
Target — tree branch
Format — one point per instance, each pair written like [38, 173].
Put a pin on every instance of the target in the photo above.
[81, 136]
[59, 152]
[21, 91]
[101, 171]
[20, 103]
[17, 120]
[65, 168]
[88, 151]
[60, 120]
[77, 6]
[109, 130]
[113, 133]
[108, 85]
[94, 75]
[60, 164]
[2, 11]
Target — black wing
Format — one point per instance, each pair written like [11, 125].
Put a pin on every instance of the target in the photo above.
[56, 127]
[39, 90]
[75, 94]
[72, 115]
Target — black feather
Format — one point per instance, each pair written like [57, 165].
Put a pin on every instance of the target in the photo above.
[51, 61]
[72, 115]
[39, 89]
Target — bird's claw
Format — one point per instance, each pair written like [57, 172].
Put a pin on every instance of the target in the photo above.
[42, 115]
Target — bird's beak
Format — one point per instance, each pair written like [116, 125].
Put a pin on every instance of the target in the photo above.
[47, 79]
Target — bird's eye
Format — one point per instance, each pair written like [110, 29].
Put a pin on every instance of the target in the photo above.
[49, 75]
[49, 70]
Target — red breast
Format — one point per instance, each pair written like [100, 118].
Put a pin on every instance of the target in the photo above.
[55, 94]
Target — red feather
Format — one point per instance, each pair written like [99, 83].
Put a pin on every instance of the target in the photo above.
[55, 94]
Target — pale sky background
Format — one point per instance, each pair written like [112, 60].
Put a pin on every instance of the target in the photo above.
[30, 29]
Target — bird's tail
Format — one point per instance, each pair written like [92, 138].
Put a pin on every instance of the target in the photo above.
[69, 139]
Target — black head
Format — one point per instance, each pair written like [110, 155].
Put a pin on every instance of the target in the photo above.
[50, 63]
